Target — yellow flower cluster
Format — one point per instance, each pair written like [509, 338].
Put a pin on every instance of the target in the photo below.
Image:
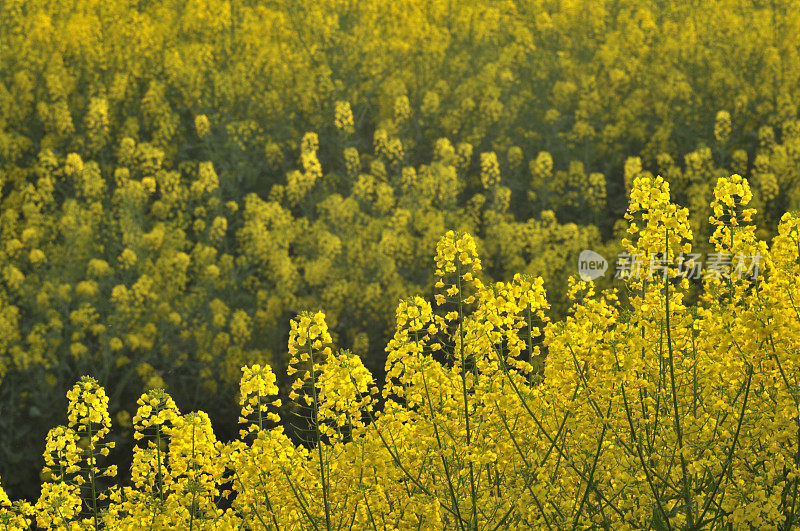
[343, 117]
[490, 171]
[457, 265]
[345, 394]
[61, 453]
[88, 410]
[414, 331]
[660, 226]
[202, 125]
[629, 413]
[256, 387]
[58, 505]
[168, 196]
[732, 222]
[308, 338]
[156, 410]
[16, 515]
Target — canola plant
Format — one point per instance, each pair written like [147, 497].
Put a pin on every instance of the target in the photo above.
[179, 181]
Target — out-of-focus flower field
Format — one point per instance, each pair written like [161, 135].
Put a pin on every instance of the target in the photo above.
[180, 181]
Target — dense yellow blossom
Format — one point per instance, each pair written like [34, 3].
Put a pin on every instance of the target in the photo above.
[178, 181]
[626, 414]
[256, 387]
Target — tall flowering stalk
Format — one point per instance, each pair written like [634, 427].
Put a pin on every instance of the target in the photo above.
[88, 417]
[155, 417]
[309, 348]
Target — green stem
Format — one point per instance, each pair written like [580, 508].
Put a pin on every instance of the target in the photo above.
[159, 475]
[91, 476]
[678, 430]
[260, 421]
[643, 463]
[194, 480]
[590, 480]
[252, 507]
[441, 450]
[552, 440]
[473, 495]
[530, 343]
[729, 458]
[315, 420]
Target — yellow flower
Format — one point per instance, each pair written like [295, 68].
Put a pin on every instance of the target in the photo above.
[202, 125]
[490, 170]
[343, 116]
